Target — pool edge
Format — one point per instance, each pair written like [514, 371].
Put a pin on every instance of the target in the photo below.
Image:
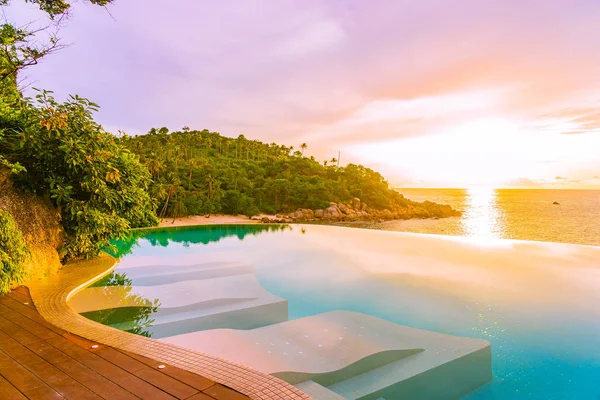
[51, 294]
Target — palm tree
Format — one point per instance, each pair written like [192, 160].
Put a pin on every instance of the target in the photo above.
[303, 147]
[171, 190]
[159, 192]
[333, 160]
[191, 165]
[325, 163]
[155, 166]
[179, 209]
[210, 180]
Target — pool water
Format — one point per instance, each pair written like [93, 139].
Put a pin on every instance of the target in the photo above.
[538, 304]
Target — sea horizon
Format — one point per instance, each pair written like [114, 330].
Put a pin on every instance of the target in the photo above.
[489, 187]
[541, 214]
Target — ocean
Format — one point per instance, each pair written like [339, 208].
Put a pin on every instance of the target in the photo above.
[522, 214]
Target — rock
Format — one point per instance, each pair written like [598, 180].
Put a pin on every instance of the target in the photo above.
[40, 224]
[308, 214]
[363, 206]
[332, 212]
[356, 203]
[556, 203]
[319, 214]
[351, 217]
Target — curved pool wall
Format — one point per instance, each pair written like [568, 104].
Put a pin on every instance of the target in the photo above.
[536, 303]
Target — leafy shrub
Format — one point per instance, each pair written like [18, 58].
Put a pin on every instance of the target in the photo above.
[97, 184]
[13, 253]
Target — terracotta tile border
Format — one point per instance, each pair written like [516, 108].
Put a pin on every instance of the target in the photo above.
[50, 296]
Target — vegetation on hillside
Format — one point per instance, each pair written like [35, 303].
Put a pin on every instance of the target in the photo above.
[13, 253]
[201, 172]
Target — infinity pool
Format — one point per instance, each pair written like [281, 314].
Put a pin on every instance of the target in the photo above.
[538, 304]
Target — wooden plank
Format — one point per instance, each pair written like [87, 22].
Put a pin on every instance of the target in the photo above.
[16, 332]
[95, 382]
[153, 376]
[78, 340]
[21, 298]
[29, 313]
[120, 359]
[132, 383]
[28, 324]
[201, 396]
[79, 372]
[26, 382]
[109, 371]
[51, 375]
[9, 392]
[189, 378]
[68, 347]
[48, 352]
[221, 392]
[166, 383]
[61, 382]
[23, 290]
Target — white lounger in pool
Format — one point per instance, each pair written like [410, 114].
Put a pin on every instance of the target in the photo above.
[225, 295]
[354, 356]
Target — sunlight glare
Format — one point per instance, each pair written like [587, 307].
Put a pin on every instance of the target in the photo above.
[481, 220]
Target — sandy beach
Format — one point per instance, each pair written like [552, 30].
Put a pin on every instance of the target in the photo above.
[202, 220]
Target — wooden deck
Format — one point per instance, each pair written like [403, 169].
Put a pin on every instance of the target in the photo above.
[40, 361]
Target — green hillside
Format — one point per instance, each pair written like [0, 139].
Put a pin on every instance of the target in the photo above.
[201, 172]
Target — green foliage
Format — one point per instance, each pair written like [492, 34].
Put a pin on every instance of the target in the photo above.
[13, 253]
[197, 172]
[100, 187]
[56, 7]
[60, 152]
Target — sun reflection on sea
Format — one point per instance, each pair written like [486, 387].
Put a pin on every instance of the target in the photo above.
[482, 217]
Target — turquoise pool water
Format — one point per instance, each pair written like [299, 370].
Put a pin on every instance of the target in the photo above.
[537, 303]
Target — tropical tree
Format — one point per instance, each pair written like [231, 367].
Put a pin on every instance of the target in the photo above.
[155, 166]
[303, 147]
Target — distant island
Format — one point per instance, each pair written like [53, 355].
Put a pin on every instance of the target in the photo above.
[202, 173]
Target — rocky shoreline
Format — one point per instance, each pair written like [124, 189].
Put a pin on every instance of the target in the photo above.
[357, 210]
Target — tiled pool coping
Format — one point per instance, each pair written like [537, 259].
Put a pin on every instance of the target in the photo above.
[50, 296]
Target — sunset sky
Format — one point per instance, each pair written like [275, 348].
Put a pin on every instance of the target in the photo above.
[430, 93]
